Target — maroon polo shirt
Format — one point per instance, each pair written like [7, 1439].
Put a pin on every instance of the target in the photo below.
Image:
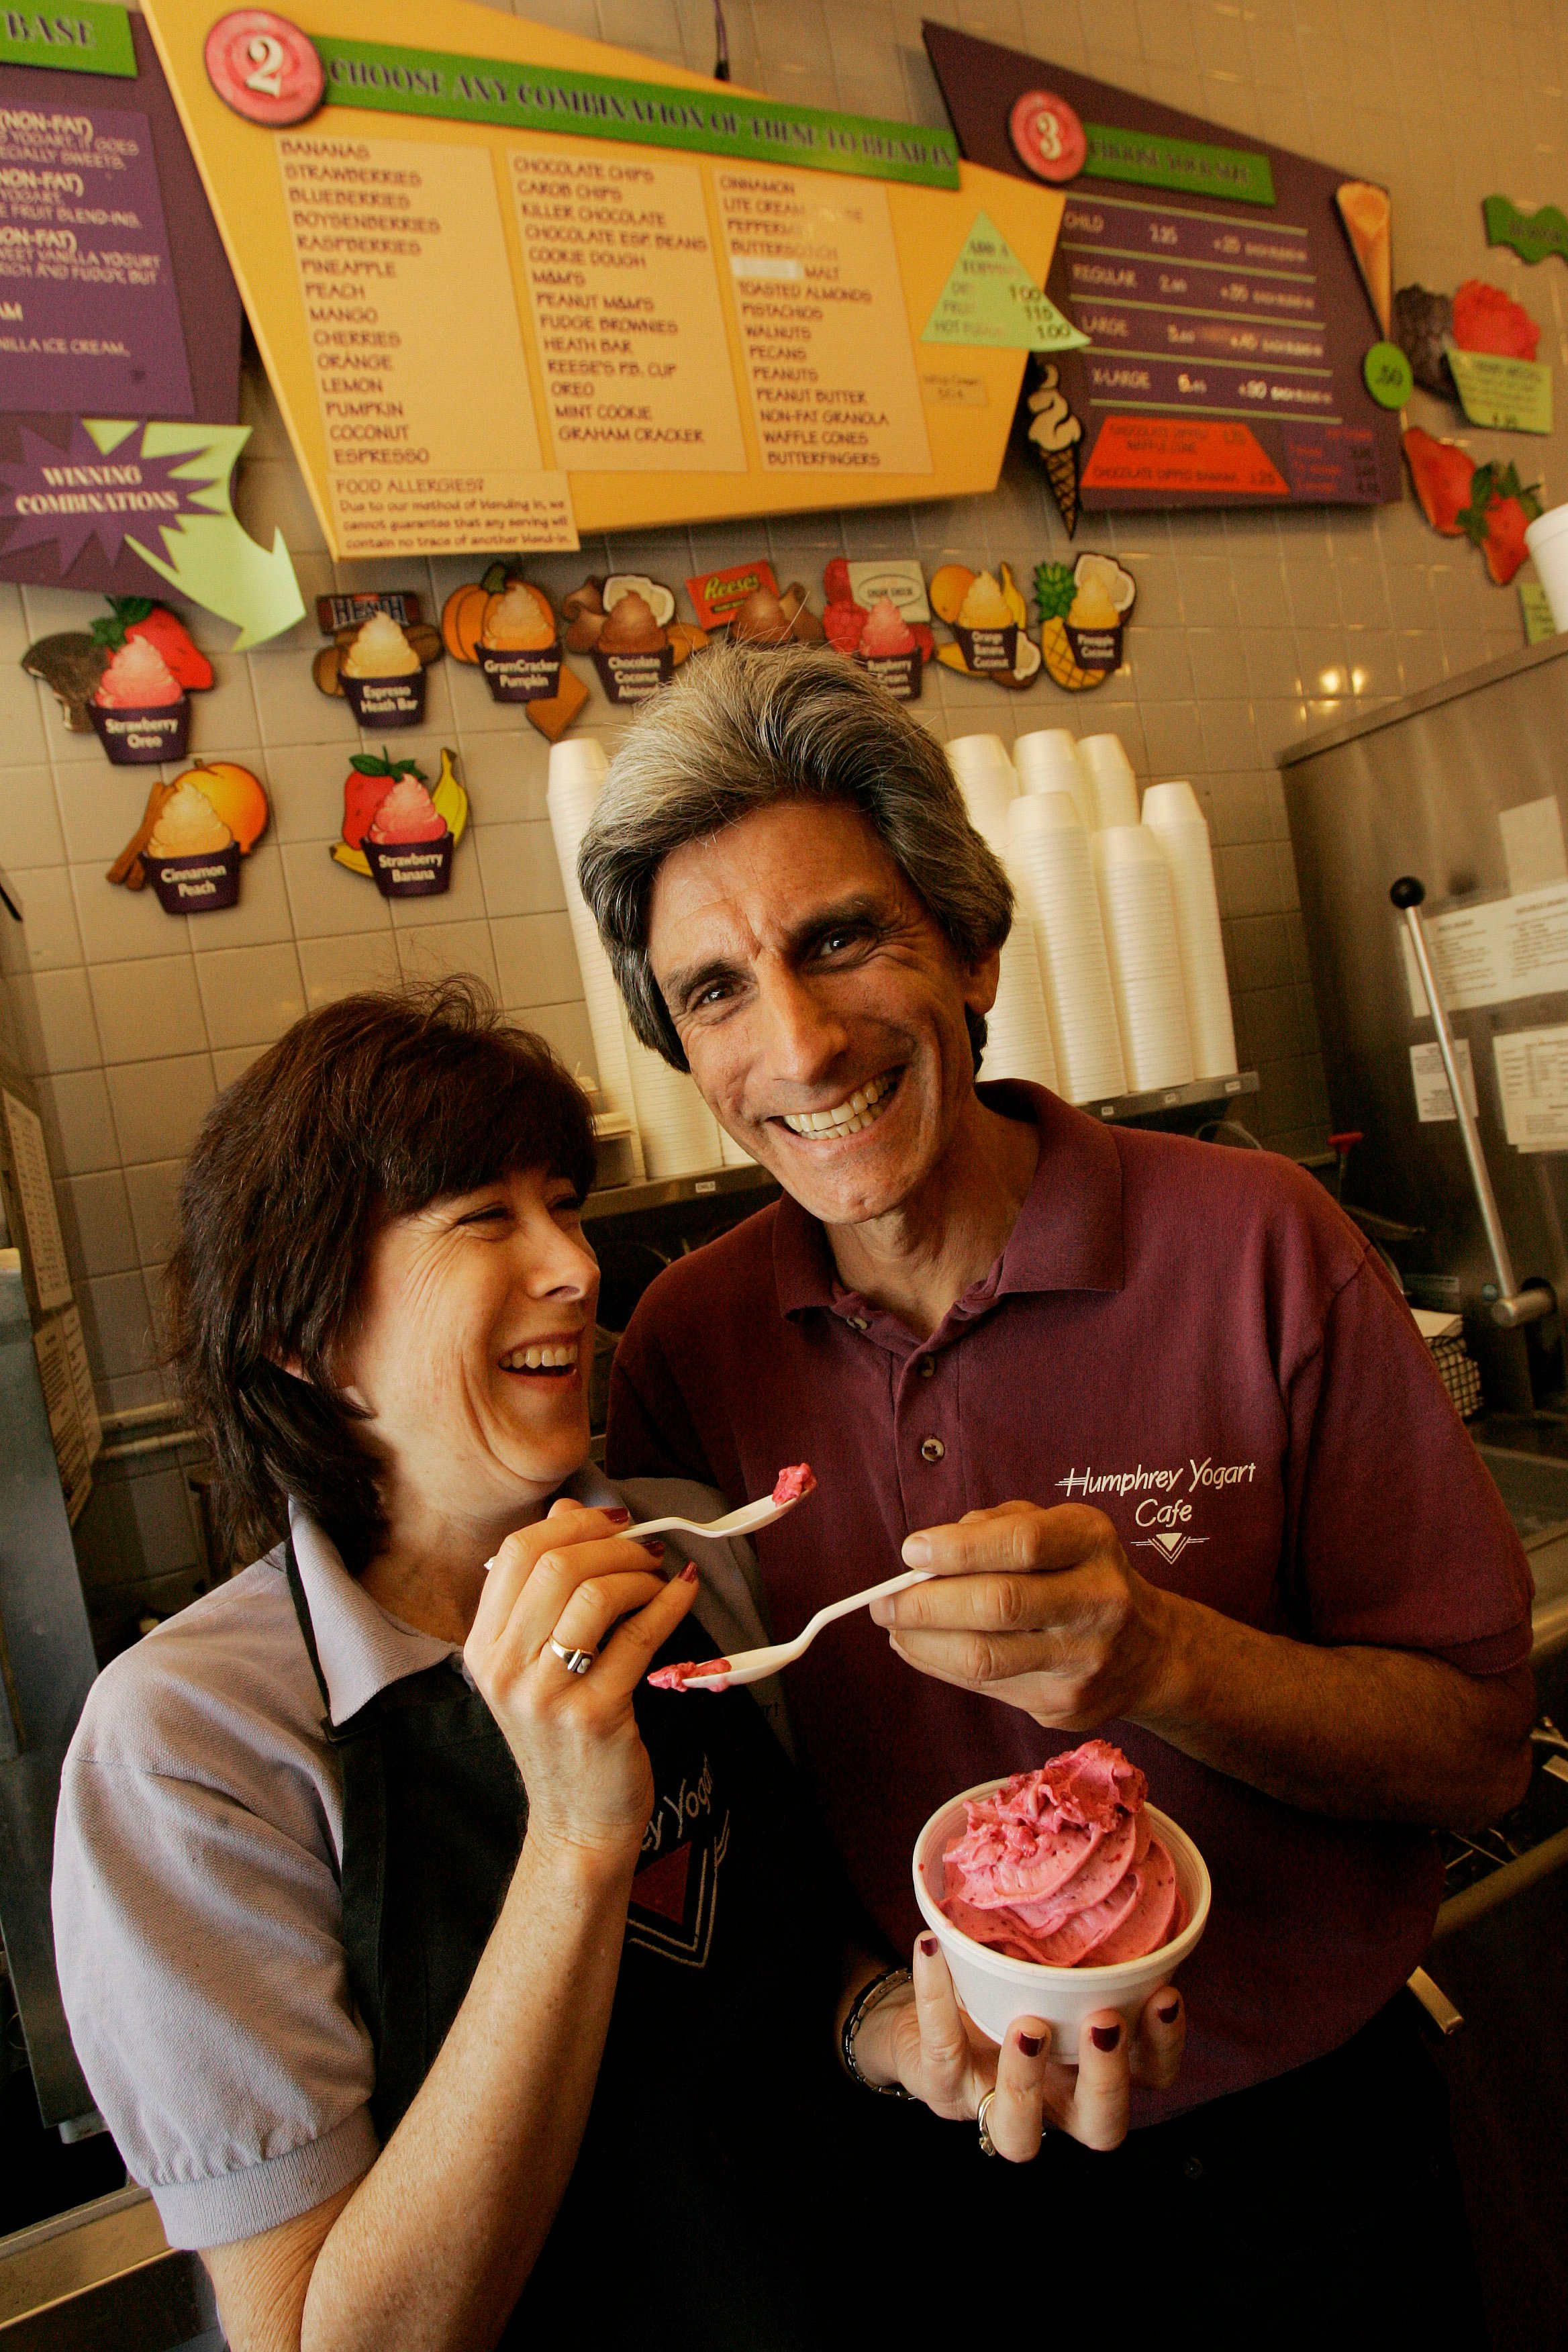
[1199, 1343]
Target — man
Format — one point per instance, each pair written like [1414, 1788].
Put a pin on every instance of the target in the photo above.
[1154, 1412]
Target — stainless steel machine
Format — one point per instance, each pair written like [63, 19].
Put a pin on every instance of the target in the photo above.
[1462, 789]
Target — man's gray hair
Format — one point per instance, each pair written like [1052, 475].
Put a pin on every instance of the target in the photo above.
[743, 729]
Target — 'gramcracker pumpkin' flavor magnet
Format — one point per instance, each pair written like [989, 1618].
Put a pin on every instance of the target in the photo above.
[986, 614]
[192, 836]
[628, 622]
[129, 680]
[394, 831]
[506, 628]
[877, 615]
[1083, 611]
[379, 664]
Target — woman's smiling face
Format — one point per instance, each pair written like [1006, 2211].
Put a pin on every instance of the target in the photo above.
[472, 1347]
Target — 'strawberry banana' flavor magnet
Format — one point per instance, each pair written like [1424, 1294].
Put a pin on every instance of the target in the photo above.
[987, 615]
[192, 837]
[1084, 609]
[877, 614]
[396, 831]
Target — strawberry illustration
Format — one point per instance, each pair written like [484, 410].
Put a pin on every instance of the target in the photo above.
[1488, 320]
[1501, 506]
[138, 617]
[1443, 474]
[365, 787]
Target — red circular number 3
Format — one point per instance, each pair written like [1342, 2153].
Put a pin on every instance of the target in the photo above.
[1047, 137]
[264, 68]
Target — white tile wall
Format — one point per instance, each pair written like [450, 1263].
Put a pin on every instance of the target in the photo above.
[1250, 629]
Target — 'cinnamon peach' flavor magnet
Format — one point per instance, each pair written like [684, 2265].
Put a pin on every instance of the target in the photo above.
[192, 837]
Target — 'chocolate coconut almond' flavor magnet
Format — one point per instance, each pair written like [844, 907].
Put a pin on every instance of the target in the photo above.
[128, 680]
[877, 614]
[192, 836]
[396, 832]
[628, 622]
[379, 663]
[1084, 609]
[986, 614]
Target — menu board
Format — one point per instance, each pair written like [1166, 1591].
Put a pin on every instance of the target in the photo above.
[1227, 320]
[115, 297]
[487, 332]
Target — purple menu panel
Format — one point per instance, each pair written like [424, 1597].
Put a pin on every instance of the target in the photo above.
[89, 319]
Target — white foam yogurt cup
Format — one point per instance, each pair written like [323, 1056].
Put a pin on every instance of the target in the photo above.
[995, 1990]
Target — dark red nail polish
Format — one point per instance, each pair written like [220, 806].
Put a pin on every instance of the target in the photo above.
[654, 1544]
[1106, 2037]
[1030, 2045]
[618, 1512]
[689, 1573]
[1169, 2016]
[928, 1947]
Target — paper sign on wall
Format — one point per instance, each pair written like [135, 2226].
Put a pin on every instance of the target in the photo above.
[1532, 1080]
[1532, 844]
[1434, 1097]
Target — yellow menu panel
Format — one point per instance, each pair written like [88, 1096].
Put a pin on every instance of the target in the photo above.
[485, 337]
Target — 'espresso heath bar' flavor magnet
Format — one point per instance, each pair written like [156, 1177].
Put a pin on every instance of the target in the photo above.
[128, 678]
[379, 664]
[192, 836]
[880, 633]
[628, 622]
[1084, 608]
[396, 832]
[986, 614]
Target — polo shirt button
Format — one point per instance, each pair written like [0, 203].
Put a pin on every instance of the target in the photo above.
[932, 1449]
[857, 1323]
[928, 1367]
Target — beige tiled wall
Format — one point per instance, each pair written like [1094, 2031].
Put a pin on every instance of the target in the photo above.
[1250, 629]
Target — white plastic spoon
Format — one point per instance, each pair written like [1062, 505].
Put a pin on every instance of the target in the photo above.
[751, 1665]
[744, 1522]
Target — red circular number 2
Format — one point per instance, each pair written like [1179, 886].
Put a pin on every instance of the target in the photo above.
[264, 68]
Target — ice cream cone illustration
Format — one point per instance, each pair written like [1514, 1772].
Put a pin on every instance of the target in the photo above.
[1366, 215]
[1056, 433]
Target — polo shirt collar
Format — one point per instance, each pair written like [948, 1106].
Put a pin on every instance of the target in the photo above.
[363, 1650]
[1068, 1234]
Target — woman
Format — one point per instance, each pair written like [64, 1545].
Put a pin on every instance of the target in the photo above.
[440, 1977]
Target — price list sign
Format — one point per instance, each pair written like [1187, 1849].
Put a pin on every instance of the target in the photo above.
[1227, 323]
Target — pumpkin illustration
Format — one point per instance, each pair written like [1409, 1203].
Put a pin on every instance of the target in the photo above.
[467, 612]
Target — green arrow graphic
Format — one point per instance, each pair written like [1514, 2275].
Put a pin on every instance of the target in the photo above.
[211, 558]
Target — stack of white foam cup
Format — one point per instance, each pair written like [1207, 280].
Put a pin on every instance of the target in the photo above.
[1053, 872]
[1172, 814]
[1047, 761]
[1115, 785]
[1017, 1027]
[1137, 907]
[675, 1131]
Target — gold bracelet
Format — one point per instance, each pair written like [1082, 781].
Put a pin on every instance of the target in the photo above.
[871, 1997]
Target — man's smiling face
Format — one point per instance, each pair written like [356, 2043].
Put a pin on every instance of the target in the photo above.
[821, 1008]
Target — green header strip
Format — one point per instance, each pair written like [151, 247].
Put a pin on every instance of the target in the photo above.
[371, 74]
[1152, 161]
[91, 37]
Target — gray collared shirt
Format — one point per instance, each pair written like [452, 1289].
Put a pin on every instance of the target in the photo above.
[198, 1855]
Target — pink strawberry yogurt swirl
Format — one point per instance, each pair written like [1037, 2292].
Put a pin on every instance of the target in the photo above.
[1060, 1865]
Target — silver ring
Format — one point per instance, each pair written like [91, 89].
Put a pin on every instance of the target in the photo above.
[983, 2117]
[576, 1662]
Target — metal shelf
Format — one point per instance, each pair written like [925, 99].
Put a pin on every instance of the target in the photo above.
[719, 1183]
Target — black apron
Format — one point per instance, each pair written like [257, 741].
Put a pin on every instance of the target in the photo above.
[708, 2203]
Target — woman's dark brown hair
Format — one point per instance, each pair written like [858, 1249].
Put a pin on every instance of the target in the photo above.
[364, 1110]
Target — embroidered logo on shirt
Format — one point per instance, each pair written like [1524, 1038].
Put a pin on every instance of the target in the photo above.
[1165, 1496]
[1169, 1545]
[675, 1893]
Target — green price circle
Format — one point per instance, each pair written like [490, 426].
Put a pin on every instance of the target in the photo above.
[1386, 373]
